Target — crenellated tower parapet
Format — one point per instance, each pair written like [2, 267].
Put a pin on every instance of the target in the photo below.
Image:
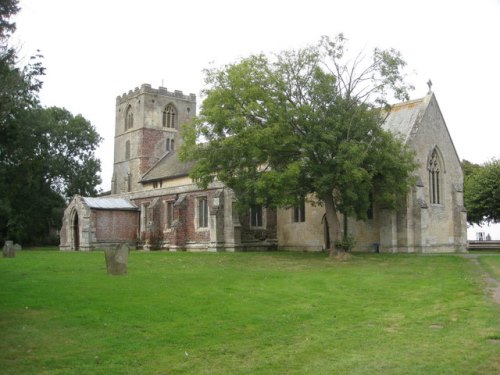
[147, 89]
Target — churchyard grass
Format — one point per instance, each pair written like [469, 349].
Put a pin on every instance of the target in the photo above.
[247, 313]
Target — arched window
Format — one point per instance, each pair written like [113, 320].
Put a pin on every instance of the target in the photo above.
[127, 150]
[129, 118]
[434, 168]
[169, 117]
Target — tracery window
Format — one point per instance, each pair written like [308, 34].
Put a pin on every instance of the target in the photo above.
[434, 178]
[169, 116]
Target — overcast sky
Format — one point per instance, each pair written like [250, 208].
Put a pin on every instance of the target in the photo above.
[95, 50]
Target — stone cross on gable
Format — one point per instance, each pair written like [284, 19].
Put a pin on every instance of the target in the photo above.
[429, 83]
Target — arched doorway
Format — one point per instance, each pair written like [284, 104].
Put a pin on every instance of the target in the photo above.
[76, 232]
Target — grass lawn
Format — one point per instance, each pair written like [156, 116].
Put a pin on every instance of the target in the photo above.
[246, 313]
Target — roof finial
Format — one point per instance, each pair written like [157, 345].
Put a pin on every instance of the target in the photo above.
[429, 83]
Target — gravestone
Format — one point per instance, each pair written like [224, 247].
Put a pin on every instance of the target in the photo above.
[117, 259]
[8, 250]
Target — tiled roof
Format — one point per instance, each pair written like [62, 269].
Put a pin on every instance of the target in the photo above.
[109, 203]
[168, 167]
[403, 116]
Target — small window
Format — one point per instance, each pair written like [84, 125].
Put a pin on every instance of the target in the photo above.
[129, 182]
[127, 150]
[169, 116]
[202, 212]
[256, 217]
[169, 219]
[299, 212]
[157, 184]
[169, 145]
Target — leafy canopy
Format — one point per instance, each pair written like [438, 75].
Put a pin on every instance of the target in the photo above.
[302, 124]
[46, 154]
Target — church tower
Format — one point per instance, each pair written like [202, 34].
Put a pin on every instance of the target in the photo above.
[147, 126]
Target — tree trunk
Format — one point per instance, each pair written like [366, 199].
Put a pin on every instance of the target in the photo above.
[332, 221]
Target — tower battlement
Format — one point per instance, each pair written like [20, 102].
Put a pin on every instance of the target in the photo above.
[147, 89]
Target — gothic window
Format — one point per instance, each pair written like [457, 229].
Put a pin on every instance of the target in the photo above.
[127, 150]
[169, 218]
[434, 178]
[256, 216]
[202, 211]
[169, 116]
[129, 118]
[299, 212]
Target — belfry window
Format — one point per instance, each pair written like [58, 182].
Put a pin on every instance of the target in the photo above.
[169, 116]
[129, 118]
[434, 178]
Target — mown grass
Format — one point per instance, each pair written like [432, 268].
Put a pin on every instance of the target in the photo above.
[245, 313]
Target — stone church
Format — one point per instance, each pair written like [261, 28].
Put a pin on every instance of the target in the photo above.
[155, 205]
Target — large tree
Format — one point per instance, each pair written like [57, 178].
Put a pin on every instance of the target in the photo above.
[482, 192]
[46, 154]
[303, 124]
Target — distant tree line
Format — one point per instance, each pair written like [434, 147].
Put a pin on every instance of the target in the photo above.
[46, 154]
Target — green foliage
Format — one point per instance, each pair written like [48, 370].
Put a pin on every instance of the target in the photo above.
[245, 313]
[347, 243]
[302, 124]
[482, 193]
[469, 168]
[46, 154]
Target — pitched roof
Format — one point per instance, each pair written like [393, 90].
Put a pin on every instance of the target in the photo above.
[109, 203]
[169, 166]
[404, 116]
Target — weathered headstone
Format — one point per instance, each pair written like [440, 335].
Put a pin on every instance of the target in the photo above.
[8, 250]
[17, 247]
[117, 259]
